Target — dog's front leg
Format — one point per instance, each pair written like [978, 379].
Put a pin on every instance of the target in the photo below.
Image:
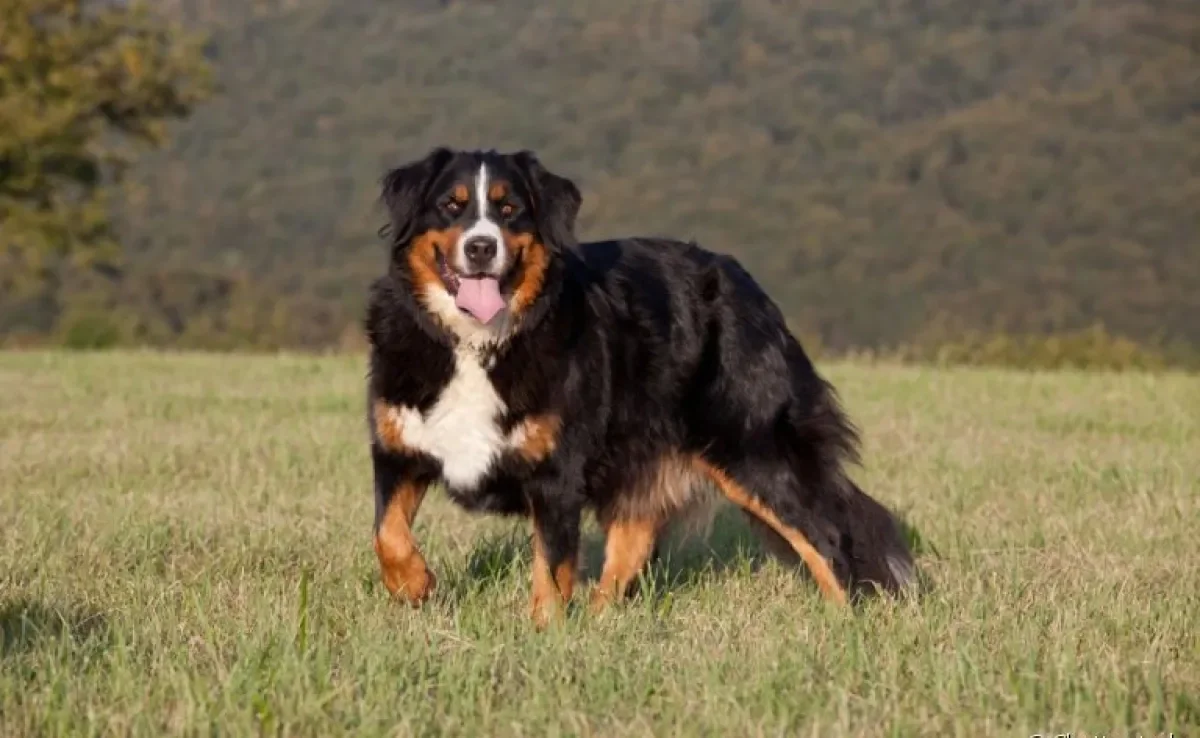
[399, 490]
[556, 510]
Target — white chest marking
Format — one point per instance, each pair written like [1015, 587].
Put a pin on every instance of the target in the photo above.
[462, 429]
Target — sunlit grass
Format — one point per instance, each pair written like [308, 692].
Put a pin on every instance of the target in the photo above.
[185, 549]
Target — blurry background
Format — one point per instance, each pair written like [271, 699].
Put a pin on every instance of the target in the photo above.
[986, 178]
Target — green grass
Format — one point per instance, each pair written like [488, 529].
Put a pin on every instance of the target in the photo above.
[186, 549]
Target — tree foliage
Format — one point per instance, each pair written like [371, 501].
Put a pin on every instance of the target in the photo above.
[909, 171]
[81, 83]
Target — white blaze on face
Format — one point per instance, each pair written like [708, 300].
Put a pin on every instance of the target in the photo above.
[483, 226]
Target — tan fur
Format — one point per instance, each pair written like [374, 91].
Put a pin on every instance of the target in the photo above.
[671, 494]
[628, 545]
[822, 572]
[402, 566]
[552, 589]
[666, 489]
[389, 429]
[422, 259]
[538, 437]
[532, 259]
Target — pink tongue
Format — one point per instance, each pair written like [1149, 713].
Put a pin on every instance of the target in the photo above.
[479, 296]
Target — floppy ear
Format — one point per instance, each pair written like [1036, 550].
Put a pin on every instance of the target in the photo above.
[556, 201]
[403, 190]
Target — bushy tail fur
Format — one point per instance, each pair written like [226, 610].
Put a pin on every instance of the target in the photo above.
[861, 537]
[872, 542]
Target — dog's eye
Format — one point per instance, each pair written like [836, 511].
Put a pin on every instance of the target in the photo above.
[507, 209]
[454, 207]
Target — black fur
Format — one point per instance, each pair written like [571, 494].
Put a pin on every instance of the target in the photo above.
[643, 347]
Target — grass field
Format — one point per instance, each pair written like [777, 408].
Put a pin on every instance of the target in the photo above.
[186, 549]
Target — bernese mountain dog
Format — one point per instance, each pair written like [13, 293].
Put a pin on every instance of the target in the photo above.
[534, 375]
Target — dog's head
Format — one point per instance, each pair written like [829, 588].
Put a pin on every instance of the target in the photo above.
[476, 233]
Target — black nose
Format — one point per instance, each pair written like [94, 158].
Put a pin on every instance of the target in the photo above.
[480, 250]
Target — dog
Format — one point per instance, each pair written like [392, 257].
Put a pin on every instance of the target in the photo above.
[530, 374]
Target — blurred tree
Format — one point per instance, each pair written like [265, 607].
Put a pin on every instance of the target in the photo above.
[81, 84]
[910, 172]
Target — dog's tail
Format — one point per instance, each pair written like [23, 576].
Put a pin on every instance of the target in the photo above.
[862, 539]
[872, 542]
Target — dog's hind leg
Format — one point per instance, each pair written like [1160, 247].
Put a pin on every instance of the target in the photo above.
[628, 544]
[849, 541]
[634, 518]
[789, 526]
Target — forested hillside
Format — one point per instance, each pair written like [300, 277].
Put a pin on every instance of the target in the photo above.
[893, 171]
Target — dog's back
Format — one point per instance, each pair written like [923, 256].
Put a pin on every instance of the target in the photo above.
[703, 367]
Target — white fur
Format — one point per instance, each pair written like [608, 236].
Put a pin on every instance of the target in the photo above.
[901, 570]
[462, 429]
[441, 303]
[483, 226]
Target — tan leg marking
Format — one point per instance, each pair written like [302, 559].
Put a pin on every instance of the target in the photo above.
[775, 544]
[538, 437]
[551, 588]
[627, 547]
[821, 571]
[401, 564]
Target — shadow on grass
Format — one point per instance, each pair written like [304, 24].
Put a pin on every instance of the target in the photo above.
[679, 562]
[26, 625]
[499, 560]
[732, 543]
